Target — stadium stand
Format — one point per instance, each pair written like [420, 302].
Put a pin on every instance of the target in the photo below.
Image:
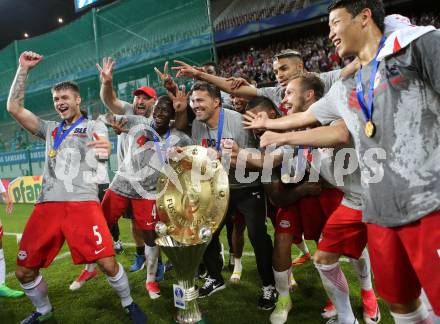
[239, 12]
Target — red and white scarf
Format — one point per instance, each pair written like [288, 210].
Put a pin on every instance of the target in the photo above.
[400, 33]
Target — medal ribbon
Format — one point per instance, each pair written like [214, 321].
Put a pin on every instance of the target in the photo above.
[59, 138]
[367, 109]
[219, 131]
[157, 144]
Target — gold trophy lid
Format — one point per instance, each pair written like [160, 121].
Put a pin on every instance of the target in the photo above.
[192, 206]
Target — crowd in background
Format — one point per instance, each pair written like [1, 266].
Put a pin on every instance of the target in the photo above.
[256, 63]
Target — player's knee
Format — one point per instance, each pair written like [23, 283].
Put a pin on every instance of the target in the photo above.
[410, 307]
[321, 257]
[283, 241]
[108, 266]
[25, 275]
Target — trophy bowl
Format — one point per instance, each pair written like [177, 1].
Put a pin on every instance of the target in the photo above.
[193, 197]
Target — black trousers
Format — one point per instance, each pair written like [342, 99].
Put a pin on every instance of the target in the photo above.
[250, 202]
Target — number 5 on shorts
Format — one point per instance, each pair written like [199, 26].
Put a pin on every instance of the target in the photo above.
[97, 234]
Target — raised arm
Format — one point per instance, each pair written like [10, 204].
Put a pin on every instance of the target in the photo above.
[15, 104]
[189, 71]
[262, 121]
[107, 93]
[180, 105]
[325, 136]
[166, 79]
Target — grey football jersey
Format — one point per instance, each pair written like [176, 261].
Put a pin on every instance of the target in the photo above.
[139, 171]
[232, 129]
[127, 110]
[74, 172]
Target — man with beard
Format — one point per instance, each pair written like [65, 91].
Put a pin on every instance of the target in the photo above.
[212, 125]
[143, 101]
[68, 207]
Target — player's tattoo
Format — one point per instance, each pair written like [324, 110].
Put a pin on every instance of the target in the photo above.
[18, 87]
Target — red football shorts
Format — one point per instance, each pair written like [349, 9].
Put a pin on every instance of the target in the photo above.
[308, 216]
[344, 233]
[144, 210]
[405, 259]
[81, 224]
[1, 230]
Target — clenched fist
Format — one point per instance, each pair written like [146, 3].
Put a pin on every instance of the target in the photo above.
[28, 60]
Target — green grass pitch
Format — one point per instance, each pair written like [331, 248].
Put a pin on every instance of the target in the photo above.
[96, 302]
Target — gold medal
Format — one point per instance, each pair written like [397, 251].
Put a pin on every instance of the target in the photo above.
[52, 153]
[370, 129]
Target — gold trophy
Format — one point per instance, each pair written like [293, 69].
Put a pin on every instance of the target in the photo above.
[193, 200]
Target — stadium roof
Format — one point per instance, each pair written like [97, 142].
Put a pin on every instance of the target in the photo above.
[34, 17]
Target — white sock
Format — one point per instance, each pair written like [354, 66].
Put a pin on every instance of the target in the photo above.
[238, 267]
[231, 258]
[2, 267]
[303, 247]
[336, 286]
[428, 306]
[120, 284]
[420, 316]
[37, 292]
[362, 268]
[91, 267]
[151, 260]
[282, 282]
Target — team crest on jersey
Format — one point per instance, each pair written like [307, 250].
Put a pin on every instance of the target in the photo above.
[22, 255]
[284, 223]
